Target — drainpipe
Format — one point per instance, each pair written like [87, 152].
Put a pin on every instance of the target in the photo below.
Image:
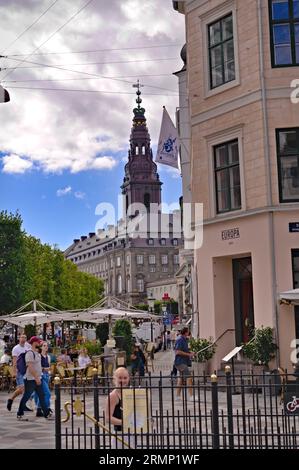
[269, 178]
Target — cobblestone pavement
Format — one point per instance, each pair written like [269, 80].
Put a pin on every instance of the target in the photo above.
[38, 433]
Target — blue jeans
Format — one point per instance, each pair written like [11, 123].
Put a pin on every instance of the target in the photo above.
[30, 387]
[46, 390]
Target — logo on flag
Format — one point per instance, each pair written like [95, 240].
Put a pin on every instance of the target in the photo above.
[168, 147]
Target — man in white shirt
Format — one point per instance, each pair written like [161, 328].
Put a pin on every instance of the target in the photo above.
[6, 357]
[32, 379]
[20, 348]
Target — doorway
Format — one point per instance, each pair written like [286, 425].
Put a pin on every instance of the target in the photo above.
[243, 299]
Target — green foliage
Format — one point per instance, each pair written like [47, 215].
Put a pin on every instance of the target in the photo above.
[32, 270]
[197, 345]
[123, 327]
[144, 307]
[94, 348]
[261, 349]
[12, 262]
[30, 330]
[172, 306]
[102, 332]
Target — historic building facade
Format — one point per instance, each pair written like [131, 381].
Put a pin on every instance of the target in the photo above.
[128, 260]
[244, 147]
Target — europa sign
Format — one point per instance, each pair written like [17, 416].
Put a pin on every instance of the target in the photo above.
[230, 234]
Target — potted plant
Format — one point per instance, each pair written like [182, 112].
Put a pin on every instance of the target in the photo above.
[205, 350]
[261, 348]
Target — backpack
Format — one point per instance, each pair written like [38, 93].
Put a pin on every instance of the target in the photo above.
[21, 363]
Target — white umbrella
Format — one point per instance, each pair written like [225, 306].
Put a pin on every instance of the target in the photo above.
[290, 297]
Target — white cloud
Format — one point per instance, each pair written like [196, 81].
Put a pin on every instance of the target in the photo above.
[63, 191]
[79, 195]
[54, 131]
[15, 164]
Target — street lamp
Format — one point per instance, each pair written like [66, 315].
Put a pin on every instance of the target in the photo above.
[151, 303]
[164, 310]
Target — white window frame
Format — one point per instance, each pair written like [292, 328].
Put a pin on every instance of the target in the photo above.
[152, 259]
[164, 259]
[235, 133]
[206, 19]
[139, 281]
[139, 260]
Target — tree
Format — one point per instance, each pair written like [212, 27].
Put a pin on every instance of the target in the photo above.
[123, 328]
[12, 262]
[31, 270]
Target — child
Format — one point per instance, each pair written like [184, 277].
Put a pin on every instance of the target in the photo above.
[113, 408]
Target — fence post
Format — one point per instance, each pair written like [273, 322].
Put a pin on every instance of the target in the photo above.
[215, 412]
[230, 419]
[57, 413]
[96, 407]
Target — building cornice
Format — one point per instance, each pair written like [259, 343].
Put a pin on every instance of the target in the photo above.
[249, 213]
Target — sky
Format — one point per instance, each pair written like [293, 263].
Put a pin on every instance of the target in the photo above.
[64, 136]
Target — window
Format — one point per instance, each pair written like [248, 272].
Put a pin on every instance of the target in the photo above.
[139, 259]
[295, 260]
[288, 164]
[128, 284]
[150, 241]
[221, 51]
[118, 261]
[111, 263]
[140, 285]
[176, 259]
[164, 269]
[284, 24]
[119, 284]
[152, 259]
[175, 242]
[128, 260]
[152, 269]
[164, 259]
[227, 176]
[163, 241]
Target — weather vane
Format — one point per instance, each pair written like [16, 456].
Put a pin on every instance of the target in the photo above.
[138, 92]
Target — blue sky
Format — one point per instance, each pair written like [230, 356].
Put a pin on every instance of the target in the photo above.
[64, 136]
[58, 219]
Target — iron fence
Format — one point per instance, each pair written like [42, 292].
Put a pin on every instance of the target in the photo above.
[243, 411]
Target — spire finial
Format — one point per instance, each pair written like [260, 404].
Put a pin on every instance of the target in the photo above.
[138, 93]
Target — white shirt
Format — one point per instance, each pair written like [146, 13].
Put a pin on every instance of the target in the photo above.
[83, 361]
[5, 359]
[18, 349]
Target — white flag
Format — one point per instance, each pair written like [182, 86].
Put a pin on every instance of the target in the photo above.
[4, 96]
[168, 147]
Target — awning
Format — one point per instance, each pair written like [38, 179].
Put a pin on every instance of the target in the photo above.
[289, 297]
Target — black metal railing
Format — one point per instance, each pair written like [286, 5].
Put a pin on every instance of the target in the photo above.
[246, 411]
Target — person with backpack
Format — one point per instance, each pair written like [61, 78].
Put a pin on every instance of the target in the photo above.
[19, 349]
[32, 378]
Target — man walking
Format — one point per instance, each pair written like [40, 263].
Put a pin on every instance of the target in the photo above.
[182, 362]
[20, 348]
[32, 378]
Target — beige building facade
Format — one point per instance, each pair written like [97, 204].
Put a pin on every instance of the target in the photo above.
[241, 59]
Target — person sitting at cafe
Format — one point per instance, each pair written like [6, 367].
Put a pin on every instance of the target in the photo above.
[6, 357]
[64, 357]
[83, 358]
